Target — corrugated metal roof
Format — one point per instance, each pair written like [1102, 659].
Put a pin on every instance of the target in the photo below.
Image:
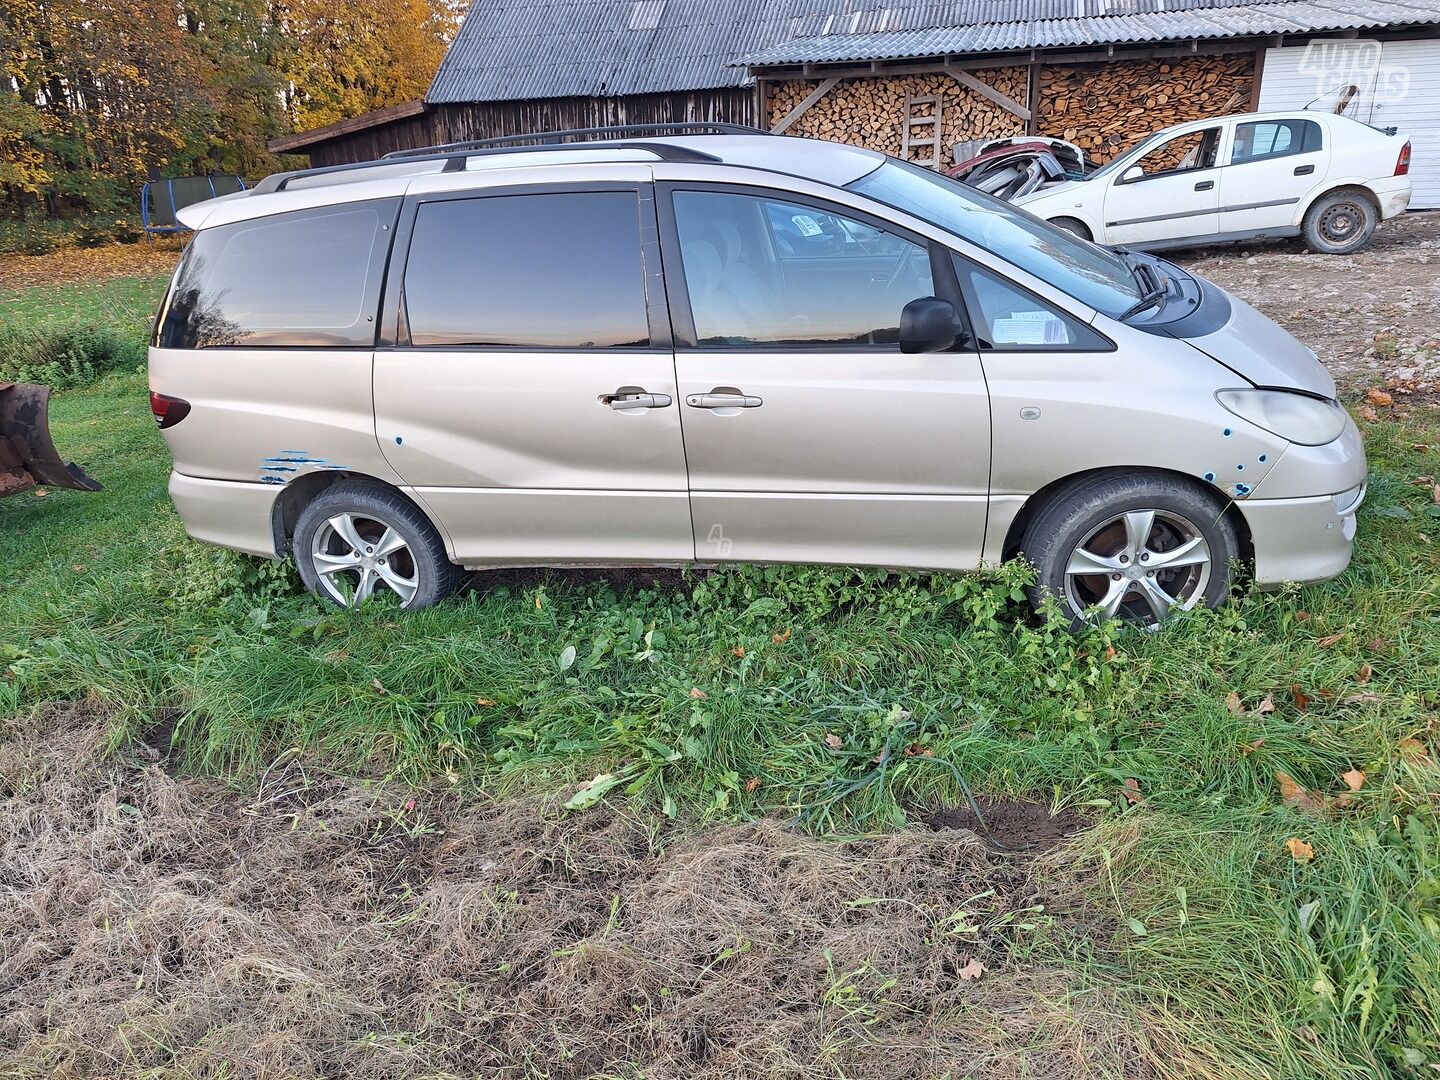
[522, 49]
[1209, 21]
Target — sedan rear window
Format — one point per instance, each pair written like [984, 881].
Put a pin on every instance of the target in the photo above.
[1091, 274]
[306, 278]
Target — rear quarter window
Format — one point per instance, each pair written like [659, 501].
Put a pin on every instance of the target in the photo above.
[309, 278]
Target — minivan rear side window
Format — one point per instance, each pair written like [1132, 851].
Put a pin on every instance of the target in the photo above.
[558, 271]
[303, 279]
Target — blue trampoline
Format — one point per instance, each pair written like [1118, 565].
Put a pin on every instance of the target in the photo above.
[161, 200]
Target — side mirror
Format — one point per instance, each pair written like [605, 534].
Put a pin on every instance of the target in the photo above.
[929, 324]
[1134, 172]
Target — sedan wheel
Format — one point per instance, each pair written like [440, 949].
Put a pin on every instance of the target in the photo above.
[354, 555]
[1140, 565]
[1137, 547]
[360, 540]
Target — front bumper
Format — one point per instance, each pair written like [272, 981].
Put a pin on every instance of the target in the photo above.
[1302, 540]
[227, 512]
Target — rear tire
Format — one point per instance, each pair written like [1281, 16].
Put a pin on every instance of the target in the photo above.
[1339, 223]
[1072, 225]
[1136, 548]
[359, 538]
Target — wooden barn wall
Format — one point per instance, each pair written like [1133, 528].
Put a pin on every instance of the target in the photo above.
[454, 123]
[1103, 107]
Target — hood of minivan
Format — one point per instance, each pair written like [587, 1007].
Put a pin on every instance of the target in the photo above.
[1262, 351]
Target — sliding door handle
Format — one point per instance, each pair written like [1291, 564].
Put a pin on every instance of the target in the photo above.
[723, 397]
[629, 398]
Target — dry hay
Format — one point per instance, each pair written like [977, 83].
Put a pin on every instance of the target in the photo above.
[325, 927]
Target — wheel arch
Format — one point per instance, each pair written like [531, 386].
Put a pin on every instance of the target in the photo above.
[1042, 498]
[300, 492]
[1089, 233]
[1336, 189]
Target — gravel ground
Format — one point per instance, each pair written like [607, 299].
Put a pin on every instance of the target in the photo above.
[1373, 317]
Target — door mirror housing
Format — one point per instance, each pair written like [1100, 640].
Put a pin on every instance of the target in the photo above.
[1133, 173]
[930, 324]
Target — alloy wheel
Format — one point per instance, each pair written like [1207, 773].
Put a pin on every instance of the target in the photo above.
[1141, 565]
[354, 555]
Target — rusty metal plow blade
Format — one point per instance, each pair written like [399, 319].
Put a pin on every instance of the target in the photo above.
[27, 456]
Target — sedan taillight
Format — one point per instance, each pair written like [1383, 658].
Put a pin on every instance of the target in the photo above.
[1402, 163]
[168, 411]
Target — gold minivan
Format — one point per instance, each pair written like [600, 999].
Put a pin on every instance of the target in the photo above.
[711, 345]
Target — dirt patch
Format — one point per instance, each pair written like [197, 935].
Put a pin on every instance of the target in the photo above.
[1013, 825]
[319, 926]
[1371, 317]
[89, 265]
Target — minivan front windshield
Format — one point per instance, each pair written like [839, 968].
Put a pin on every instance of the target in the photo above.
[1091, 274]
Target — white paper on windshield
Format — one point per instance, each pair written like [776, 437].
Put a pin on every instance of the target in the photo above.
[1030, 328]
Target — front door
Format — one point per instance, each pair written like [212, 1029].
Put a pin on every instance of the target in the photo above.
[1273, 165]
[529, 400]
[809, 436]
[1175, 195]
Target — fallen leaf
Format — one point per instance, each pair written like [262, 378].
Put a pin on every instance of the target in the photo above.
[1131, 790]
[916, 750]
[1302, 699]
[378, 687]
[1365, 412]
[698, 694]
[1292, 794]
[1435, 494]
[1302, 616]
[752, 784]
[1251, 747]
[781, 638]
[1110, 653]
[739, 652]
[40, 492]
[1265, 707]
[539, 602]
[1300, 851]
[1414, 749]
[79, 569]
[484, 703]
[1233, 703]
[834, 742]
[1330, 639]
[971, 971]
[1420, 447]
[1363, 675]
[1379, 397]
[1354, 779]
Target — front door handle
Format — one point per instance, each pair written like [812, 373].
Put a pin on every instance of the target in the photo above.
[1205, 185]
[1304, 170]
[628, 398]
[723, 397]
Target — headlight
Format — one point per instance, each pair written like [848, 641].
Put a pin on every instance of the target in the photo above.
[1297, 418]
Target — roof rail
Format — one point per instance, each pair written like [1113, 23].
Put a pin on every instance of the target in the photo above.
[455, 155]
[584, 134]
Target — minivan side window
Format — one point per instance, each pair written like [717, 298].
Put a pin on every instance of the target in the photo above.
[303, 279]
[1010, 319]
[765, 272]
[1262, 139]
[558, 271]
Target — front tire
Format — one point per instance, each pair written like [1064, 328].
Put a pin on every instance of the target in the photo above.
[1135, 548]
[1339, 223]
[359, 538]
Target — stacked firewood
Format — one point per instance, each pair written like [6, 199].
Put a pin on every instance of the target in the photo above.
[1105, 108]
[871, 112]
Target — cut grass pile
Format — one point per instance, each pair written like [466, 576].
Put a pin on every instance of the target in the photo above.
[1237, 910]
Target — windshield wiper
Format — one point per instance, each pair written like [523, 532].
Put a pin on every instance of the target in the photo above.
[1153, 295]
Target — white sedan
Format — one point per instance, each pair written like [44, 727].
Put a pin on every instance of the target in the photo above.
[1325, 177]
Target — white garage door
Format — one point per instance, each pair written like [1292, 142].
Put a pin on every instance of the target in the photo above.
[1399, 84]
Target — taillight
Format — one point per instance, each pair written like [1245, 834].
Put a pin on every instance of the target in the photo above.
[1402, 163]
[168, 411]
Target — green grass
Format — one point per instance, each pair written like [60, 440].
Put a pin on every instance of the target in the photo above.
[686, 690]
[126, 303]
